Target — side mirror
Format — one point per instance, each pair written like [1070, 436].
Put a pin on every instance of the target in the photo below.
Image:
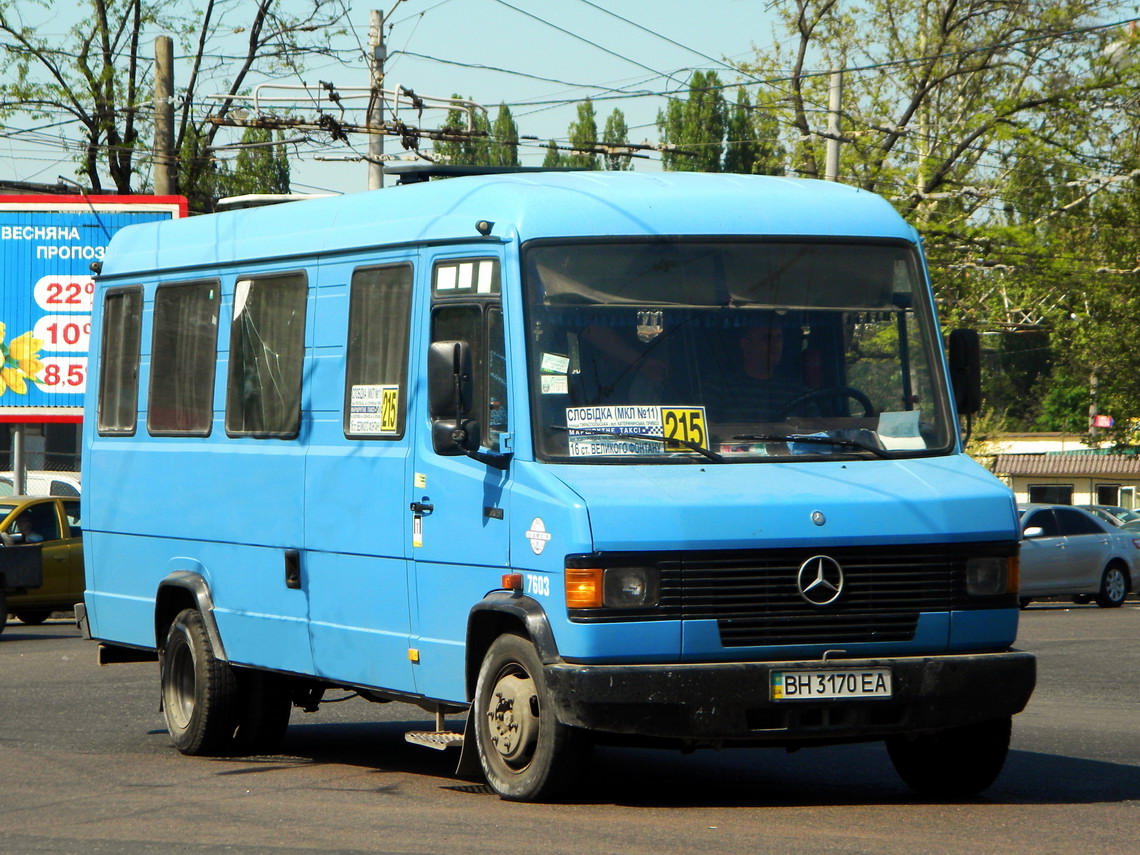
[965, 359]
[1033, 531]
[450, 398]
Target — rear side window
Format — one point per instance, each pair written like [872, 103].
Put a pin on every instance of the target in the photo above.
[376, 361]
[1074, 522]
[119, 362]
[267, 353]
[183, 356]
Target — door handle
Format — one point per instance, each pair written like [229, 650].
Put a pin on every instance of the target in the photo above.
[423, 508]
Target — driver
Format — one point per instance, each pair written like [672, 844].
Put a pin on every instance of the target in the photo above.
[23, 530]
[755, 389]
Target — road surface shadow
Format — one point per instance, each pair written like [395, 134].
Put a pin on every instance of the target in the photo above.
[744, 777]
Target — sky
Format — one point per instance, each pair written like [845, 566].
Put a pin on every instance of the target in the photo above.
[538, 56]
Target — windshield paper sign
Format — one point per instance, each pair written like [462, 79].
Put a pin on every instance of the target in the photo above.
[632, 429]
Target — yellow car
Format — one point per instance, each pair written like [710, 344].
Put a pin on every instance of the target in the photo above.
[48, 525]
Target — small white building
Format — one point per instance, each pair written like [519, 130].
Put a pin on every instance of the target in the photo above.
[1061, 469]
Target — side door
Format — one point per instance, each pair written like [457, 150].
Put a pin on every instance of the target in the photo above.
[1044, 557]
[357, 525]
[458, 504]
[1088, 548]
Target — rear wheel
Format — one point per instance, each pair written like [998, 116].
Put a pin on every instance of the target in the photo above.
[1113, 587]
[199, 691]
[953, 763]
[3, 609]
[525, 752]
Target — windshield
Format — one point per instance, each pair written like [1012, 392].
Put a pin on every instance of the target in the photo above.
[733, 351]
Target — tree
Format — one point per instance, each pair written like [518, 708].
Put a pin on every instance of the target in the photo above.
[262, 167]
[490, 144]
[614, 136]
[752, 139]
[583, 133]
[98, 76]
[695, 126]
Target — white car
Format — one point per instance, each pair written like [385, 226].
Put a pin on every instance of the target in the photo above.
[1068, 551]
[43, 483]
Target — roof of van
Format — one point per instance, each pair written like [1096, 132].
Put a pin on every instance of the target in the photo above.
[522, 206]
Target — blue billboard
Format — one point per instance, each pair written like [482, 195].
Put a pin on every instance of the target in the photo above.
[47, 247]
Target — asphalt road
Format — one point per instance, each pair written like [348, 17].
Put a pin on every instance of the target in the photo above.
[86, 767]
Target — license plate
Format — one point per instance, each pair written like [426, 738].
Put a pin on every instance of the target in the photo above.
[831, 684]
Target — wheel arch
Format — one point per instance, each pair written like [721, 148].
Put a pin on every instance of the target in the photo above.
[185, 589]
[500, 612]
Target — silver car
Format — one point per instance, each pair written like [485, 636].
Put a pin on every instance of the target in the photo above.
[1068, 551]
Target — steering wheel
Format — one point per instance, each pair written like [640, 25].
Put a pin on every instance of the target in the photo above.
[829, 392]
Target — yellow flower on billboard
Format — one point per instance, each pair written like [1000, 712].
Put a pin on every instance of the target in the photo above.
[19, 362]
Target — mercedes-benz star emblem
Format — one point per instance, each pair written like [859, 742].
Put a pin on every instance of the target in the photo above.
[820, 580]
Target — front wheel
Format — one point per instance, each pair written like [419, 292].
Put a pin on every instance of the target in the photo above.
[953, 763]
[525, 752]
[1113, 587]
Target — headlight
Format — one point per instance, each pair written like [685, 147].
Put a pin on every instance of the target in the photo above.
[990, 577]
[630, 587]
[611, 587]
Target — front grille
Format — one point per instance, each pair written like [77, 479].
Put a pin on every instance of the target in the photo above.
[752, 594]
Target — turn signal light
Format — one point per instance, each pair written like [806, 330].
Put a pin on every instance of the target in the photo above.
[584, 587]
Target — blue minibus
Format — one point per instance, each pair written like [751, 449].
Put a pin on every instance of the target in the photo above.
[574, 458]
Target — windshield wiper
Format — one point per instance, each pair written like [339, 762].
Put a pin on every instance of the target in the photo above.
[711, 455]
[818, 439]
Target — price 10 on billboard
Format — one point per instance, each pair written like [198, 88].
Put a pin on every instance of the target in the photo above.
[47, 289]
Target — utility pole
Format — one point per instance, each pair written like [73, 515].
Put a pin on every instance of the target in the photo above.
[165, 180]
[376, 108]
[831, 168]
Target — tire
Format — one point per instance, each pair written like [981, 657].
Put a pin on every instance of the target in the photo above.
[199, 691]
[525, 752]
[264, 703]
[954, 763]
[1113, 587]
[3, 610]
[33, 617]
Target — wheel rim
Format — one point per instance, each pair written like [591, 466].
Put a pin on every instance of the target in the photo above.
[1114, 586]
[513, 717]
[180, 685]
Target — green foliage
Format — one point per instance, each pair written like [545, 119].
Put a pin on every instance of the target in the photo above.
[484, 143]
[695, 126]
[616, 135]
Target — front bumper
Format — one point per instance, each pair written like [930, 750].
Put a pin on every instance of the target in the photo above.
[731, 702]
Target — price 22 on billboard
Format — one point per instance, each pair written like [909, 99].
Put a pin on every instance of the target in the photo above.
[47, 247]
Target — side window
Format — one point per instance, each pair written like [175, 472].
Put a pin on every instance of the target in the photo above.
[376, 356]
[71, 511]
[119, 362]
[1073, 522]
[40, 521]
[1044, 519]
[182, 360]
[267, 354]
[466, 307]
